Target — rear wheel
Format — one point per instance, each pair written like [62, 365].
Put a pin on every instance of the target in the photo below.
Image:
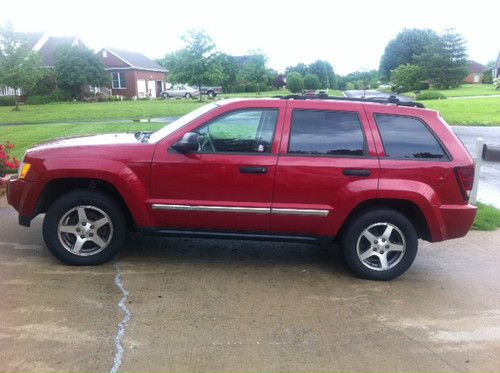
[84, 227]
[211, 94]
[188, 95]
[380, 244]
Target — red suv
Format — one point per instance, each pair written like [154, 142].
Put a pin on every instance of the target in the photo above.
[376, 175]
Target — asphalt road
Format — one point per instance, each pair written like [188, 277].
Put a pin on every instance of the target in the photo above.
[200, 305]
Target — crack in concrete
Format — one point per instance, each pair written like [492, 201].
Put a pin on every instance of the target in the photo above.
[120, 334]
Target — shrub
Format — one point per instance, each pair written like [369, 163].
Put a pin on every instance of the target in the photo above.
[487, 76]
[294, 83]
[430, 95]
[7, 101]
[60, 95]
[251, 87]
[496, 83]
[311, 82]
[8, 164]
[408, 77]
[38, 100]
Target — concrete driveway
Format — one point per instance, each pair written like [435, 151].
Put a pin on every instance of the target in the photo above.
[199, 305]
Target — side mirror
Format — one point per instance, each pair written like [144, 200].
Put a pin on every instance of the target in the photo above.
[189, 143]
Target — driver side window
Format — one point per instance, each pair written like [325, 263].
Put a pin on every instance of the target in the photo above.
[243, 131]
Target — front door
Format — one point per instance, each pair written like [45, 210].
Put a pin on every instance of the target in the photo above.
[227, 185]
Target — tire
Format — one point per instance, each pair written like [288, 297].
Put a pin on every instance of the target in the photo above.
[71, 236]
[166, 95]
[211, 94]
[377, 234]
[188, 95]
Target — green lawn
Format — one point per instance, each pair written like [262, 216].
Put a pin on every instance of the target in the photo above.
[25, 136]
[475, 111]
[100, 111]
[488, 218]
[469, 90]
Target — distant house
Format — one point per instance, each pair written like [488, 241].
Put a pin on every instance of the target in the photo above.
[476, 71]
[45, 45]
[133, 75]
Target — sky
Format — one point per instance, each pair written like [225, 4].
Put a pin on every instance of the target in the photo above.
[350, 34]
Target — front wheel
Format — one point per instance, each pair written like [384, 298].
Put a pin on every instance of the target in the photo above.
[84, 227]
[188, 95]
[380, 244]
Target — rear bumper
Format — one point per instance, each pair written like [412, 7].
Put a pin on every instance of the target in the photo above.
[23, 196]
[454, 221]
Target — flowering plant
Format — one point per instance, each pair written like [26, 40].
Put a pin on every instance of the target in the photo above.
[8, 163]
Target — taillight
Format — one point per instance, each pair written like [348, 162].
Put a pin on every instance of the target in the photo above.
[465, 178]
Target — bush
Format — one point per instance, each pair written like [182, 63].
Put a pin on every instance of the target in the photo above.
[431, 95]
[294, 83]
[8, 164]
[251, 87]
[496, 83]
[60, 95]
[38, 100]
[487, 76]
[311, 82]
[7, 101]
[408, 77]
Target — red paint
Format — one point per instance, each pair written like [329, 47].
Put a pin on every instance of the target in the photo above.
[146, 174]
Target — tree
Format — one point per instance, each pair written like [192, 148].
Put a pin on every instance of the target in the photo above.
[294, 83]
[444, 61]
[196, 63]
[77, 68]
[300, 68]
[311, 82]
[20, 66]
[229, 69]
[254, 70]
[408, 77]
[404, 47]
[324, 71]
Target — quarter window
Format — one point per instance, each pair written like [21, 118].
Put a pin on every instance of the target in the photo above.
[316, 132]
[244, 131]
[119, 81]
[408, 138]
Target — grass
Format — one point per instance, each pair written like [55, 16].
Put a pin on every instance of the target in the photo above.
[469, 90]
[60, 112]
[477, 111]
[25, 136]
[487, 219]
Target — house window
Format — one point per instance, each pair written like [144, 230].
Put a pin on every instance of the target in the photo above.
[119, 80]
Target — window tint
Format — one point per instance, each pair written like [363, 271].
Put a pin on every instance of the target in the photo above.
[326, 133]
[408, 138]
[245, 131]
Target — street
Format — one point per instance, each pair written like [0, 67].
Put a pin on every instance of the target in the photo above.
[200, 305]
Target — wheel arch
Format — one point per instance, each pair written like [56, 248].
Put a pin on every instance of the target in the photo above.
[58, 187]
[408, 208]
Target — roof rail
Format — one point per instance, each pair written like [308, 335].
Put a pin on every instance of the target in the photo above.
[379, 100]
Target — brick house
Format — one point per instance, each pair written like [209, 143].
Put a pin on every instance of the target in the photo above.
[476, 71]
[45, 45]
[133, 75]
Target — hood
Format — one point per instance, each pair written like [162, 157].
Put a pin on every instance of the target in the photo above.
[87, 141]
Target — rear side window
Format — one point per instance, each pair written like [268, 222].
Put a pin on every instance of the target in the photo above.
[317, 132]
[408, 138]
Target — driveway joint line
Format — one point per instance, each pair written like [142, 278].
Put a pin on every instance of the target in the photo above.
[120, 333]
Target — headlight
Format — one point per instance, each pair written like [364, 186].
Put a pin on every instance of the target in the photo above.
[23, 170]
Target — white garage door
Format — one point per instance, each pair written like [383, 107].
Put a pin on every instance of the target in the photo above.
[141, 88]
[152, 88]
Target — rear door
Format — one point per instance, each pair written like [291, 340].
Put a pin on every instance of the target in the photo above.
[326, 166]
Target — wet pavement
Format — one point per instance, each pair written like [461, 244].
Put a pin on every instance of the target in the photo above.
[201, 305]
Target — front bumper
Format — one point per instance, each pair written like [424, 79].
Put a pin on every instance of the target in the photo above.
[23, 196]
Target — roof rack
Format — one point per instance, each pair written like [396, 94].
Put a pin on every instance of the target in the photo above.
[323, 96]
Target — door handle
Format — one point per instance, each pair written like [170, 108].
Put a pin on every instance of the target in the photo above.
[253, 170]
[355, 172]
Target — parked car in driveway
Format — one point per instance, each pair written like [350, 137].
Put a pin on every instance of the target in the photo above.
[375, 175]
[180, 90]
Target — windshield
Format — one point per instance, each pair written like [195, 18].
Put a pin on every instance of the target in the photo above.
[182, 121]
